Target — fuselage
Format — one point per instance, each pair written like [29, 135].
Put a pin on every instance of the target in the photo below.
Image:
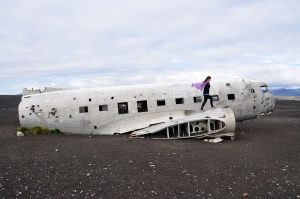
[116, 110]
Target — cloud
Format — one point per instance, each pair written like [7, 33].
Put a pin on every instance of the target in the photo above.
[100, 43]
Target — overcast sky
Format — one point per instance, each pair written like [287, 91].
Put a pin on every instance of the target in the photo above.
[93, 43]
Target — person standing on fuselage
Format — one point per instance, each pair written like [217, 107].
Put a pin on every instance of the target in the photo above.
[206, 92]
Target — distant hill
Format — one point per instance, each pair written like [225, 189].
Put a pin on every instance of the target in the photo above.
[285, 91]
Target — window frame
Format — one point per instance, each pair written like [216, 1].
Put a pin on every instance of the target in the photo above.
[161, 100]
[264, 88]
[101, 107]
[142, 109]
[126, 111]
[86, 109]
[180, 98]
[215, 98]
[197, 97]
[231, 96]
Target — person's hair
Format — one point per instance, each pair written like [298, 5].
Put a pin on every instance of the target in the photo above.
[207, 78]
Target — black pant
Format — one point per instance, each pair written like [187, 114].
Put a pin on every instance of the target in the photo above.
[205, 100]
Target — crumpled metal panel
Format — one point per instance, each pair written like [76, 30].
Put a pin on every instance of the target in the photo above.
[206, 120]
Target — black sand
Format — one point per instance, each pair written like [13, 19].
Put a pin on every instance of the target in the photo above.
[263, 162]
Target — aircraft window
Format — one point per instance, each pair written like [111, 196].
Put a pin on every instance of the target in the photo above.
[103, 108]
[231, 97]
[161, 102]
[264, 89]
[90, 99]
[228, 84]
[215, 97]
[122, 107]
[179, 101]
[252, 90]
[142, 106]
[197, 99]
[83, 109]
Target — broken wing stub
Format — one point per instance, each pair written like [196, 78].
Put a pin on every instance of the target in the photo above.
[219, 122]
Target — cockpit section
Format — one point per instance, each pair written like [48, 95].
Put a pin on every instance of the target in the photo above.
[267, 99]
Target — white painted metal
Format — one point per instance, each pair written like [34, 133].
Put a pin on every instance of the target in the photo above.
[60, 109]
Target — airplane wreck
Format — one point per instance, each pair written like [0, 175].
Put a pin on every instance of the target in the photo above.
[158, 111]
